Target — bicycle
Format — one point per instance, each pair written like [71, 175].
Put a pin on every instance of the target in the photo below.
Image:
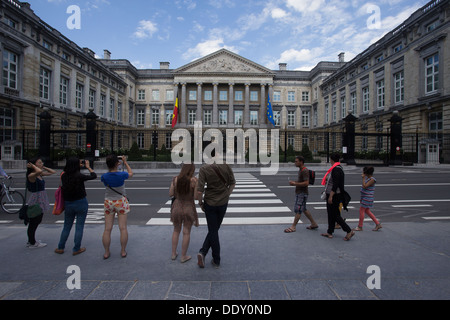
[11, 201]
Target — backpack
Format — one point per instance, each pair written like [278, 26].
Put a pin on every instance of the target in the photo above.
[312, 176]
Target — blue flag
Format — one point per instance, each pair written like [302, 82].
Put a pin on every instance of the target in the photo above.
[270, 111]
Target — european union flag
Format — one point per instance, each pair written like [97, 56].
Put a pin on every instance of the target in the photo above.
[270, 111]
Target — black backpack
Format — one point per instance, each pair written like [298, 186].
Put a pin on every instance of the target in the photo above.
[312, 176]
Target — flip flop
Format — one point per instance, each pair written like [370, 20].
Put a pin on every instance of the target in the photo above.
[312, 228]
[289, 230]
[347, 238]
[326, 235]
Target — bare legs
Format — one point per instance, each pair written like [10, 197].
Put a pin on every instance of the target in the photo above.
[184, 243]
[109, 222]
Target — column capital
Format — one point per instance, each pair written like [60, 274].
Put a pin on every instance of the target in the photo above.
[231, 84]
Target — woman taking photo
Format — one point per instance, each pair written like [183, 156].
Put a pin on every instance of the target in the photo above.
[36, 171]
[75, 202]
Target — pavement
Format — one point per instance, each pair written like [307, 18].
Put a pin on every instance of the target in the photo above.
[403, 261]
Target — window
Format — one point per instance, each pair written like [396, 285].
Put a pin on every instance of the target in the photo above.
[305, 96]
[366, 99]
[436, 121]
[192, 95]
[343, 108]
[291, 118]
[6, 124]
[169, 95]
[253, 95]
[10, 61]
[254, 118]
[223, 117]
[291, 96]
[208, 95]
[44, 84]
[353, 102]
[305, 119]
[238, 96]
[141, 117]
[327, 115]
[169, 116]
[141, 94]
[379, 58]
[102, 105]
[92, 95]
[140, 140]
[430, 27]
[238, 117]
[399, 87]
[380, 94]
[155, 95]
[47, 45]
[10, 22]
[432, 74]
[112, 106]
[63, 90]
[79, 96]
[333, 111]
[155, 117]
[207, 117]
[277, 96]
[223, 95]
[316, 117]
[191, 117]
[119, 111]
[277, 118]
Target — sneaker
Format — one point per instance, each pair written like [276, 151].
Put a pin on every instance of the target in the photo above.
[201, 260]
[216, 265]
[38, 244]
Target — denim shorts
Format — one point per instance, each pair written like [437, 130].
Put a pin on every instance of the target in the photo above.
[300, 202]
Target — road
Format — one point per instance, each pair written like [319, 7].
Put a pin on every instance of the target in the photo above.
[402, 194]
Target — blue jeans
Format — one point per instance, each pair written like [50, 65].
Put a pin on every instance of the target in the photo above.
[78, 209]
[214, 217]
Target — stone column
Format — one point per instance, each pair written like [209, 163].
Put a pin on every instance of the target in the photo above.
[263, 108]
[231, 104]
[198, 115]
[182, 106]
[215, 113]
[247, 105]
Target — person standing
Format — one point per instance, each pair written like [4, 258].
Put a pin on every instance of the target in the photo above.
[334, 192]
[75, 202]
[367, 194]
[36, 171]
[301, 196]
[116, 201]
[183, 213]
[220, 182]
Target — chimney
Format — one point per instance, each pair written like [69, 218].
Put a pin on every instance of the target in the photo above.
[342, 57]
[164, 65]
[106, 55]
[283, 66]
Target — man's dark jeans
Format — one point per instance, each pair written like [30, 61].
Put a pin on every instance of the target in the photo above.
[214, 218]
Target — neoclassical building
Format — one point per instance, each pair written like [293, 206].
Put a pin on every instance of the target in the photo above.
[406, 72]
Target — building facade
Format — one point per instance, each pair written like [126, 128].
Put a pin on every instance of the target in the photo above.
[404, 72]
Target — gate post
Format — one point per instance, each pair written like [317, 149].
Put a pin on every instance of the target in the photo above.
[91, 136]
[45, 125]
[396, 139]
[349, 139]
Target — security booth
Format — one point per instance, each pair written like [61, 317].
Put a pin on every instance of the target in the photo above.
[429, 151]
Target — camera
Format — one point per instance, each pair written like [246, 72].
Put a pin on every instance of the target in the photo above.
[120, 158]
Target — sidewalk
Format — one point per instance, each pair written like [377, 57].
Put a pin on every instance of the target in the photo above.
[259, 262]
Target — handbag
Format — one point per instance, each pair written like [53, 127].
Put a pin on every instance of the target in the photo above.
[323, 195]
[58, 207]
[34, 211]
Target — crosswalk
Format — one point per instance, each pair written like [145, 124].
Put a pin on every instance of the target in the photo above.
[249, 196]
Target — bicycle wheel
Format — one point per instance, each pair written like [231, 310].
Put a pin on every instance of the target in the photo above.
[13, 202]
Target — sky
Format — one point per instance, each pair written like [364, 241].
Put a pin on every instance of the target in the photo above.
[300, 33]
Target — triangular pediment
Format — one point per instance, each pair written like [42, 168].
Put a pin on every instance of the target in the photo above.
[223, 62]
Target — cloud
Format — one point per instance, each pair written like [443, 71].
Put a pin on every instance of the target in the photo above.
[278, 13]
[305, 5]
[146, 29]
[206, 47]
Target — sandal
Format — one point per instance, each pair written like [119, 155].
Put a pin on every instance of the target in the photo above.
[312, 228]
[326, 235]
[358, 229]
[377, 227]
[289, 230]
[185, 259]
[348, 237]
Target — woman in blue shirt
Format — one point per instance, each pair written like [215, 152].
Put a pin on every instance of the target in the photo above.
[116, 202]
